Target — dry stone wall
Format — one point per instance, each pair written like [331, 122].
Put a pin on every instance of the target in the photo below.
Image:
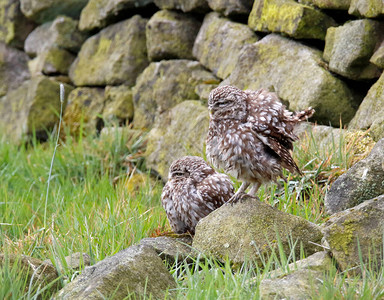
[137, 61]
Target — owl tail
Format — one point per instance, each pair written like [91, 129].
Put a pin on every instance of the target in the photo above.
[304, 115]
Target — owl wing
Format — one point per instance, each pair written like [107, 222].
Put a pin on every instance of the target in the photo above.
[273, 125]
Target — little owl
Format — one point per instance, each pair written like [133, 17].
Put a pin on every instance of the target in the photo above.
[193, 190]
[250, 135]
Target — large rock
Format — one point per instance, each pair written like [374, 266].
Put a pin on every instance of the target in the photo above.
[13, 68]
[46, 10]
[100, 13]
[53, 61]
[114, 56]
[136, 271]
[371, 111]
[34, 106]
[252, 230]
[289, 17]
[14, 26]
[357, 233]
[361, 182]
[231, 7]
[367, 8]
[296, 74]
[328, 4]
[199, 6]
[378, 57]
[171, 34]
[179, 132]
[219, 42]
[118, 102]
[60, 33]
[164, 84]
[83, 109]
[348, 48]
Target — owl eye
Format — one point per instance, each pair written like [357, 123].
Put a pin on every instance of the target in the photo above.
[177, 174]
[222, 103]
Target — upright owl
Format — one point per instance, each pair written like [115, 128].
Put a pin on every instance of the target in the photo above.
[193, 190]
[250, 135]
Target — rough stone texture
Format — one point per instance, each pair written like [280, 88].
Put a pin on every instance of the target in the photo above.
[348, 48]
[203, 90]
[36, 270]
[371, 111]
[51, 62]
[13, 68]
[118, 103]
[172, 249]
[75, 261]
[46, 10]
[298, 285]
[164, 84]
[219, 42]
[378, 57]
[231, 7]
[199, 6]
[361, 182]
[83, 109]
[296, 74]
[135, 271]
[366, 8]
[33, 106]
[14, 26]
[171, 34]
[100, 13]
[289, 17]
[328, 4]
[250, 229]
[116, 55]
[60, 33]
[179, 132]
[358, 227]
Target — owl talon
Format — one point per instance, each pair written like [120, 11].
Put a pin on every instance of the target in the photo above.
[238, 197]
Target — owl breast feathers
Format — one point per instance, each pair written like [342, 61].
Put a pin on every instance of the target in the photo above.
[251, 135]
[193, 190]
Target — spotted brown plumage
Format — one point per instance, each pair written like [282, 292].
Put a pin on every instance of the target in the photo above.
[251, 135]
[194, 189]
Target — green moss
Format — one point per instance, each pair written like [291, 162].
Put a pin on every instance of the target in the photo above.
[342, 236]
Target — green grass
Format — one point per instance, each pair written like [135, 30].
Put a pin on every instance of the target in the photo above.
[101, 200]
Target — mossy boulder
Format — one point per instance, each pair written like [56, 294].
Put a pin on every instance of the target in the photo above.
[371, 111]
[83, 110]
[114, 56]
[13, 68]
[60, 33]
[231, 7]
[378, 57]
[199, 6]
[361, 182]
[134, 272]
[297, 74]
[53, 61]
[328, 4]
[289, 17]
[180, 131]
[356, 235]
[46, 10]
[118, 102]
[219, 42]
[171, 34]
[14, 26]
[348, 48]
[165, 84]
[366, 8]
[252, 230]
[100, 13]
[34, 106]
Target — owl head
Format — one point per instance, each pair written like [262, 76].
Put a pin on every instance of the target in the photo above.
[227, 102]
[189, 167]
